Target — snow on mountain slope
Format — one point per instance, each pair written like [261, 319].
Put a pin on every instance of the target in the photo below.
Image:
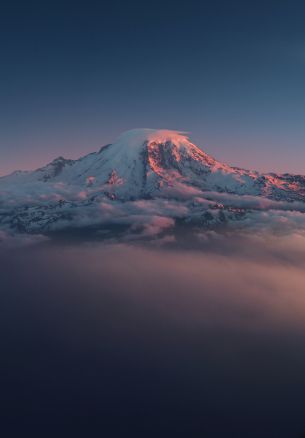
[144, 174]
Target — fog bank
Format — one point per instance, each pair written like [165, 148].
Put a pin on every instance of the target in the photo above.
[148, 341]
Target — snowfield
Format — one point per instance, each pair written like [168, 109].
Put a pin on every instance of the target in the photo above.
[147, 182]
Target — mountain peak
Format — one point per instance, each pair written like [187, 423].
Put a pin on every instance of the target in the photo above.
[137, 137]
[59, 159]
[153, 163]
[144, 173]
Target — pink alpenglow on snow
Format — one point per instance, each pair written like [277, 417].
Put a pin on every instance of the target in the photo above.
[145, 174]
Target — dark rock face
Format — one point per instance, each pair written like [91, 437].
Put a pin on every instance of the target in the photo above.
[143, 175]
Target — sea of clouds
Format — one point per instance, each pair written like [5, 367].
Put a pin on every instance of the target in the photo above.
[211, 328]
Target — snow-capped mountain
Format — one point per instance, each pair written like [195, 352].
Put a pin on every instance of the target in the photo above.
[146, 177]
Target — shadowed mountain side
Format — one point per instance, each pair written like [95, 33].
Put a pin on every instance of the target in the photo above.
[147, 176]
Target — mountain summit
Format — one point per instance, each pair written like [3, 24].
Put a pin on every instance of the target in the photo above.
[160, 166]
[148, 162]
[139, 163]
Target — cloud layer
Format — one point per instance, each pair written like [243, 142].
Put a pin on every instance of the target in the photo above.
[213, 330]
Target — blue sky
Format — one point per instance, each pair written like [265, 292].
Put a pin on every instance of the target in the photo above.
[74, 75]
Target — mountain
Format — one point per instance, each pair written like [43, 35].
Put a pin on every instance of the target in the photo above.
[145, 177]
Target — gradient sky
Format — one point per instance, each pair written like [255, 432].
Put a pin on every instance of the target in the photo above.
[74, 75]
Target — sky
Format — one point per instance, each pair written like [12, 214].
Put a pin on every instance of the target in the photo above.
[74, 75]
